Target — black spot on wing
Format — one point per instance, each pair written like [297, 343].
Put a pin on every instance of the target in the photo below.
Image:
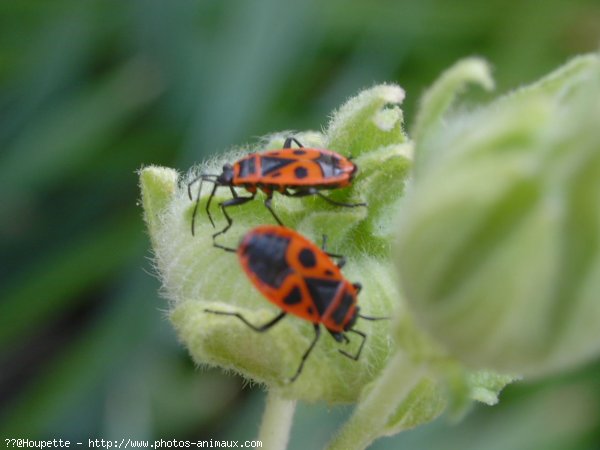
[300, 172]
[294, 297]
[322, 292]
[270, 164]
[266, 258]
[307, 258]
[299, 152]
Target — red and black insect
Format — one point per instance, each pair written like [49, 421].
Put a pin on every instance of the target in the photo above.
[301, 279]
[294, 172]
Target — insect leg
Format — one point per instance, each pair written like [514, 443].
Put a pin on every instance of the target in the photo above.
[362, 344]
[334, 202]
[288, 143]
[341, 259]
[259, 328]
[210, 197]
[201, 178]
[270, 208]
[222, 247]
[226, 204]
[197, 203]
[313, 191]
[189, 186]
[307, 352]
[228, 249]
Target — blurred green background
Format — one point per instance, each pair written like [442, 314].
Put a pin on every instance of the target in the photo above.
[91, 91]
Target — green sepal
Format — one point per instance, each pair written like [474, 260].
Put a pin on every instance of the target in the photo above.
[371, 120]
[438, 100]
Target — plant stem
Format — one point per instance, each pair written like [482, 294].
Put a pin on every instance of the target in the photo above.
[276, 422]
[371, 416]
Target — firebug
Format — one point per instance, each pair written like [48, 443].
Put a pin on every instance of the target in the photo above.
[303, 280]
[293, 172]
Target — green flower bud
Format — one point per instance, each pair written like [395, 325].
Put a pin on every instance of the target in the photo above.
[499, 244]
[196, 276]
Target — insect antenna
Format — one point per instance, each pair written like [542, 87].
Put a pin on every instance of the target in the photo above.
[204, 176]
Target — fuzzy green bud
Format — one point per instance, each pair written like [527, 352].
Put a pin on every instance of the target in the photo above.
[197, 276]
[499, 244]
